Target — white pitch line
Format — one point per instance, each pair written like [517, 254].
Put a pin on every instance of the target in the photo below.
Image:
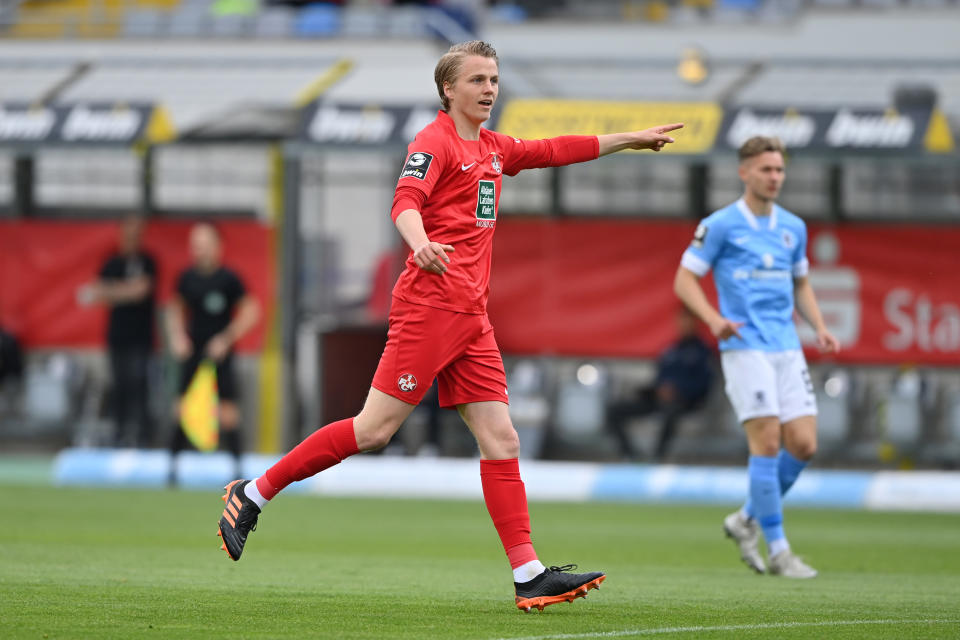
[727, 627]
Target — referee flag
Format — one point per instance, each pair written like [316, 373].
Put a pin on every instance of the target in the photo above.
[198, 409]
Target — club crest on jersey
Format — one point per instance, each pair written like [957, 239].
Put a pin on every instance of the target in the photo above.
[495, 163]
[407, 382]
[417, 165]
[789, 240]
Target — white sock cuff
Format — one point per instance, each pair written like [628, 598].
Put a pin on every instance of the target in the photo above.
[254, 494]
[778, 546]
[528, 571]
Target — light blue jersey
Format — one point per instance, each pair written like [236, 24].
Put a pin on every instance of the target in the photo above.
[754, 261]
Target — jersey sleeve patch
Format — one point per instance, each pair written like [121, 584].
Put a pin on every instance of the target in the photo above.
[417, 165]
[699, 236]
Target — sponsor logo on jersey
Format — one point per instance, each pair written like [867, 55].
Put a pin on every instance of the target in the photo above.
[486, 203]
[417, 165]
[699, 236]
[495, 163]
[407, 382]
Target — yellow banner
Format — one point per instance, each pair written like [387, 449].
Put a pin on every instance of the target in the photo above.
[534, 119]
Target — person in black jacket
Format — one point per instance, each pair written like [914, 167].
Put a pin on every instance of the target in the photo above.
[683, 381]
[126, 284]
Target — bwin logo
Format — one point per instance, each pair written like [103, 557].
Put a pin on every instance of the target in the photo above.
[407, 382]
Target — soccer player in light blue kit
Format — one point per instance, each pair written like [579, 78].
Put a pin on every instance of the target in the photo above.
[757, 251]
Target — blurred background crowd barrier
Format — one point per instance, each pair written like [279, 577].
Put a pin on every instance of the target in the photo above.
[287, 124]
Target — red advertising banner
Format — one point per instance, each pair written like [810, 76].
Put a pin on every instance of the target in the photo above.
[605, 288]
[43, 263]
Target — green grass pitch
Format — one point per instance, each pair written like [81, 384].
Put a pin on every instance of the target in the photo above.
[82, 563]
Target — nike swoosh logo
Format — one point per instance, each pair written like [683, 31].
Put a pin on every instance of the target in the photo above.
[464, 167]
[741, 239]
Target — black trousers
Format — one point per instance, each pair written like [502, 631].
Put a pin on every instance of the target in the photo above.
[130, 367]
[646, 402]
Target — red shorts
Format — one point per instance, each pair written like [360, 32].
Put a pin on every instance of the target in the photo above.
[459, 349]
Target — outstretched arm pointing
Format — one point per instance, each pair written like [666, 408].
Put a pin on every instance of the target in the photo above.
[654, 138]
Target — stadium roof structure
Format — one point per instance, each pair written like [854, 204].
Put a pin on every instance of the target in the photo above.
[198, 82]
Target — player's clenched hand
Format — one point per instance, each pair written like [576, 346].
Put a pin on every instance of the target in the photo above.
[432, 256]
[218, 347]
[655, 138]
[827, 342]
[724, 328]
[181, 346]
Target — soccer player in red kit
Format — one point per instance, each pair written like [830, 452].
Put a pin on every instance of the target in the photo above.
[445, 208]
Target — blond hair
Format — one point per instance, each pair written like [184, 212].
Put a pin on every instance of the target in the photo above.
[448, 68]
[761, 144]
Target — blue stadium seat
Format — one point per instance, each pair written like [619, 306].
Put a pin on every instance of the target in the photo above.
[318, 21]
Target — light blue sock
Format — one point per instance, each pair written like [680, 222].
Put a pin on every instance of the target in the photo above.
[788, 469]
[765, 496]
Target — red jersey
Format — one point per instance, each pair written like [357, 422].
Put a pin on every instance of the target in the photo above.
[459, 182]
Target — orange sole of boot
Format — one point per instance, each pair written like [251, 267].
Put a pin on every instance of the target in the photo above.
[526, 604]
[223, 546]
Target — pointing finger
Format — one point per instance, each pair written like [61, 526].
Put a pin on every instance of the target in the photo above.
[670, 127]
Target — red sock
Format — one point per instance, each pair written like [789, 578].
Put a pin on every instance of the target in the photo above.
[506, 499]
[321, 450]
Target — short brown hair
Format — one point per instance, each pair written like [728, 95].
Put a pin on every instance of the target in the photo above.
[448, 68]
[761, 144]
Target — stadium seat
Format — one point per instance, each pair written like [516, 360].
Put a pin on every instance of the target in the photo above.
[833, 421]
[528, 406]
[406, 22]
[230, 25]
[904, 412]
[189, 21]
[362, 22]
[580, 409]
[274, 22]
[143, 23]
[47, 401]
[318, 21]
[578, 421]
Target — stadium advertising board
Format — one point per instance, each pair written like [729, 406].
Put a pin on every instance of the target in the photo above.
[95, 122]
[871, 130]
[43, 263]
[623, 305]
[547, 118]
[364, 124]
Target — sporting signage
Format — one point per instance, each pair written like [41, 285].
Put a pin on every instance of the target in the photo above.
[99, 123]
[549, 118]
[873, 130]
[364, 124]
[883, 310]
